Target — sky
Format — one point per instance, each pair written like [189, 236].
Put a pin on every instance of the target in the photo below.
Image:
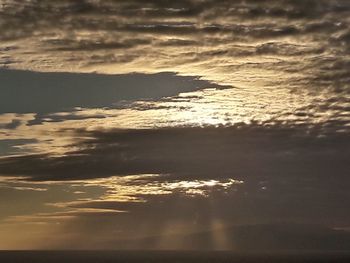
[189, 124]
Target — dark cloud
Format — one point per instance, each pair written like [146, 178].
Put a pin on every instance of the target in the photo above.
[41, 118]
[178, 42]
[86, 45]
[292, 173]
[275, 48]
[12, 125]
[242, 150]
[10, 146]
[31, 92]
[140, 16]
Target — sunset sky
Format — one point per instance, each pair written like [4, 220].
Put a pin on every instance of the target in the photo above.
[184, 124]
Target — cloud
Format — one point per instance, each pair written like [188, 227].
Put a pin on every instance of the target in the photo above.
[25, 188]
[281, 127]
[292, 174]
[202, 151]
[292, 214]
[13, 146]
[140, 15]
[11, 125]
[186, 37]
[86, 45]
[53, 103]
[289, 172]
[31, 92]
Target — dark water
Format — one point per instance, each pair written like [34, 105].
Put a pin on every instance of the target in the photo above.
[165, 256]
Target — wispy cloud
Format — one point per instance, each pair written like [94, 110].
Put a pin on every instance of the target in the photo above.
[187, 37]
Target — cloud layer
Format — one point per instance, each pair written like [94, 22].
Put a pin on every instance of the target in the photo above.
[262, 153]
[286, 173]
[303, 44]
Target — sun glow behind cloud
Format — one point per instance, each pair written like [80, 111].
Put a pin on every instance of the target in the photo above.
[207, 107]
[281, 61]
[138, 187]
[242, 116]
